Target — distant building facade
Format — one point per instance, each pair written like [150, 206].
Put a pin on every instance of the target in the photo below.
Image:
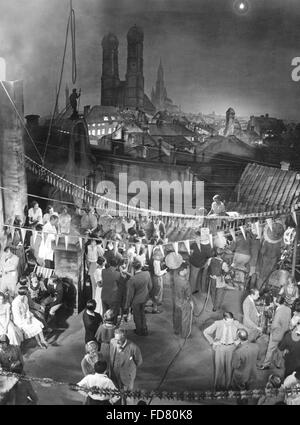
[265, 126]
[103, 121]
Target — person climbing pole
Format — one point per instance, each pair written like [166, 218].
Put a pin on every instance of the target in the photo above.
[73, 102]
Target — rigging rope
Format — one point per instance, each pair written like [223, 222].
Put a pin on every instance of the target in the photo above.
[70, 24]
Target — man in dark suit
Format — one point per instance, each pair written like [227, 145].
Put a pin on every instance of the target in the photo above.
[244, 361]
[125, 358]
[54, 299]
[110, 284]
[138, 289]
[279, 326]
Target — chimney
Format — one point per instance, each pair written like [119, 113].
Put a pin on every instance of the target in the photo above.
[267, 115]
[86, 110]
[32, 120]
[285, 166]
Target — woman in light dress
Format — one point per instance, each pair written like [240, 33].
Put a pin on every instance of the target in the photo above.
[6, 325]
[25, 320]
[98, 279]
[290, 291]
[91, 358]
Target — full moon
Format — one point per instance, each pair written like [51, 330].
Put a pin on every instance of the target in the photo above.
[241, 7]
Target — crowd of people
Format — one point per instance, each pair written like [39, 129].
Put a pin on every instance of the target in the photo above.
[241, 349]
[127, 281]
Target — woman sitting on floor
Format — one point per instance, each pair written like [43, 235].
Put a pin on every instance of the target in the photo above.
[25, 320]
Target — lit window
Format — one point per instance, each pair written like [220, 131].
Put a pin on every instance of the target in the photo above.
[99, 132]
[105, 118]
[90, 132]
[94, 125]
[113, 118]
[109, 130]
[93, 132]
[103, 130]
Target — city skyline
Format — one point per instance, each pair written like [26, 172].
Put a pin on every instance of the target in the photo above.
[213, 58]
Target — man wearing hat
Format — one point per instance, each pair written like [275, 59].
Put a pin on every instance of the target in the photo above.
[157, 276]
[182, 295]
[244, 361]
[279, 326]
[217, 270]
[198, 259]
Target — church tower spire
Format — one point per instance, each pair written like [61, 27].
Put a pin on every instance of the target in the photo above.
[160, 72]
[160, 94]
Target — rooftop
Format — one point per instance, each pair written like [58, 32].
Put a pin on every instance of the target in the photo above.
[263, 188]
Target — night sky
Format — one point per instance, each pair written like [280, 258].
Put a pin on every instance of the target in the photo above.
[213, 58]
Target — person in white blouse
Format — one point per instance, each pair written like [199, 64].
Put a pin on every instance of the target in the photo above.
[129, 223]
[98, 380]
[98, 279]
[64, 221]
[157, 279]
[49, 212]
[50, 229]
[9, 271]
[141, 256]
[25, 320]
[93, 253]
[35, 215]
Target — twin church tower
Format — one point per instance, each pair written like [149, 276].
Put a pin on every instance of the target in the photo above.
[129, 93]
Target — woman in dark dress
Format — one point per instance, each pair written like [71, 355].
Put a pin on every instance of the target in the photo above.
[105, 333]
[91, 321]
[290, 344]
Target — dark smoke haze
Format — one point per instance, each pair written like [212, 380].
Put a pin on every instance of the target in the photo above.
[212, 57]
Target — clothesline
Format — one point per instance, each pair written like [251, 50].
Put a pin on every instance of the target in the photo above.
[204, 232]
